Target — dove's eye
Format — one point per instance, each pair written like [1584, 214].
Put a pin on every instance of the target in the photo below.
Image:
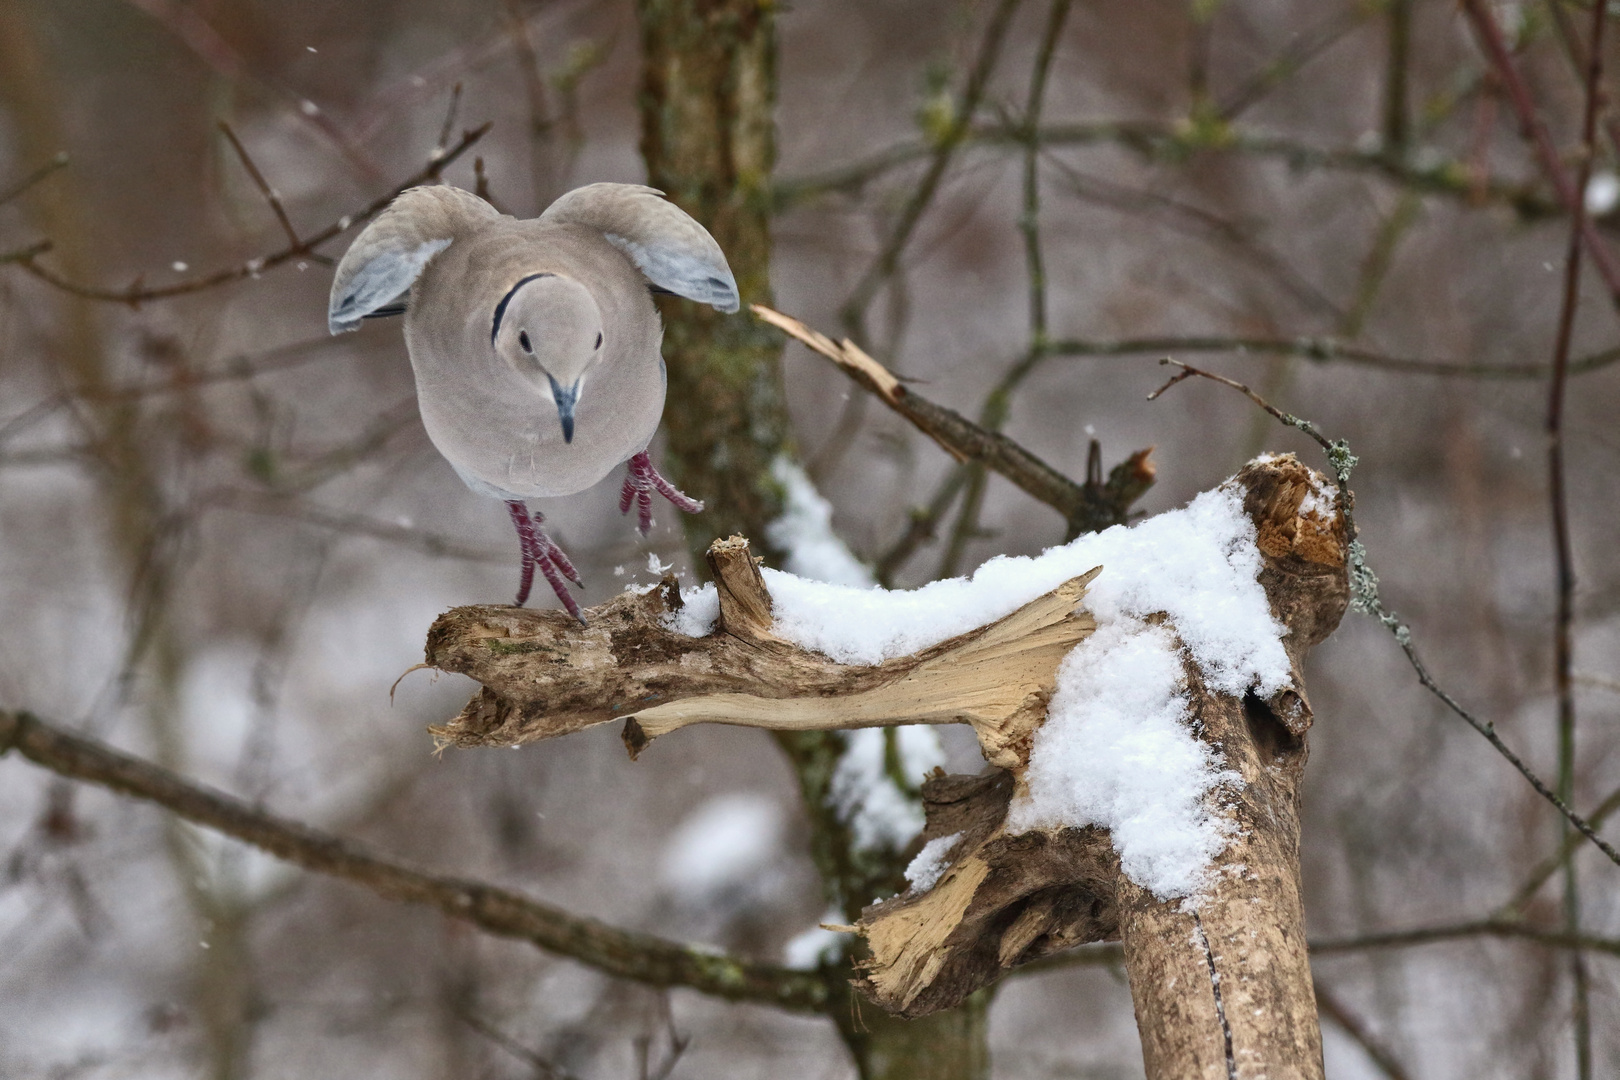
[523, 341]
[598, 339]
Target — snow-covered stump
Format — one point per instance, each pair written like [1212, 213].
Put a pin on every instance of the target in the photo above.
[1145, 724]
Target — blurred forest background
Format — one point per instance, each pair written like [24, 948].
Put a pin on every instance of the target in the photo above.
[223, 534]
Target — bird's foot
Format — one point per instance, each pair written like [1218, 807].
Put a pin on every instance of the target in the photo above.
[640, 482]
[542, 551]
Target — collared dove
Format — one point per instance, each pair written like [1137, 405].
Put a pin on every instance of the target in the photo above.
[536, 343]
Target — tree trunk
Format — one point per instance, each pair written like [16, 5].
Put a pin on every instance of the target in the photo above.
[707, 135]
[708, 138]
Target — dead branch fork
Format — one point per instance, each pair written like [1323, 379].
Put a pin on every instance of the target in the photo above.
[1223, 990]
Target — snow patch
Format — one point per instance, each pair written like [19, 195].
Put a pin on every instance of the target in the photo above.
[931, 861]
[879, 814]
[723, 844]
[805, 532]
[809, 950]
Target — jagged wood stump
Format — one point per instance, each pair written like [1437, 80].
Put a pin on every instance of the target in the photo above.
[1222, 988]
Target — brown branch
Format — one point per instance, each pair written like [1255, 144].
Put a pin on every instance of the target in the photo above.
[1084, 507]
[1564, 556]
[1551, 865]
[883, 266]
[136, 294]
[624, 954]
[270, 194]
[1160, 142]
[1499, 928]
[1353, 1026]
[1325, 350]
[1570, 196]
[1230, 981]
[60, 160]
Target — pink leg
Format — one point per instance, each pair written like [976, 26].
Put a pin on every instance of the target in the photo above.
[640, 481]
[540, 550]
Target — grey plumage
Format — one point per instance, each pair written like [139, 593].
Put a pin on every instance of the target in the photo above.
[535, 344]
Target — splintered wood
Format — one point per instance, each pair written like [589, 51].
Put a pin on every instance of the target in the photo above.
[1222, 984]
[545, 675]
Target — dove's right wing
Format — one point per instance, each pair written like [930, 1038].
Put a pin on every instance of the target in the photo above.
[385, 259]
[673, 252]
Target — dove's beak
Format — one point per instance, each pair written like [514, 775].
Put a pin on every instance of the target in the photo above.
[565, 398]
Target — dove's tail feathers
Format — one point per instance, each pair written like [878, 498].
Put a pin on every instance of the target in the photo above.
[673, 252]
[386, 258]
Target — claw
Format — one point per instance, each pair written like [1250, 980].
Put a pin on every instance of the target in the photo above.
[640, 481]
[542, 551]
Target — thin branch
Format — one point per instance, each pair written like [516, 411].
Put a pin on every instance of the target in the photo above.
[1364, 593]
[1497, 928]
[292, 508]
[1300, 51]
[1161, 142]
[1209, 228]
[1324, 350]
[443, 141]
[993, 414]
[1111, 953]
[136, 293]
[966, 441]
[270, 194]
[625, 954]
[1551, 865]
[543, 1068]
[883, 266]
[1564, 573]
[60, 160]
[1353, 1026]
[922, 526]
[1570, 196]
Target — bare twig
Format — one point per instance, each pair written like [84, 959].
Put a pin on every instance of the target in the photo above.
[1364, 593]
[292, 508]
[60, 160]
[1325, 350]
[443, 142]
[1551, 865]
[1571, 196]
[270, 194]
[137, 293]
[1288, 63]
[1160, 142]
[1497, 928]
[544, 1068]
[1564, 584]
[993, 414]
[1353, 1026]
[1081, 507]
[624, 954]
[883, 266]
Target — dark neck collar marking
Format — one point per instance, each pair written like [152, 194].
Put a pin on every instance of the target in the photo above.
[500, 308]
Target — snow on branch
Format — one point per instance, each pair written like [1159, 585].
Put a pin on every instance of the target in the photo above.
[1137, 693]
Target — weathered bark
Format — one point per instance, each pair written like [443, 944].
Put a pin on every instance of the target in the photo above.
[546, 675]
[1222, 984]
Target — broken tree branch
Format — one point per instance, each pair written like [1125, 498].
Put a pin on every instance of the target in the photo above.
[1085, 507]
[545, 675]
[1006, 898]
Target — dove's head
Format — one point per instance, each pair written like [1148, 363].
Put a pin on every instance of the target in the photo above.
[549, 329]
